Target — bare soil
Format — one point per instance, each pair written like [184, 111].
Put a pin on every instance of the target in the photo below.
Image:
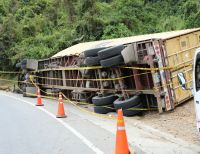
[4, 86]
[180, 123]
[9, 84]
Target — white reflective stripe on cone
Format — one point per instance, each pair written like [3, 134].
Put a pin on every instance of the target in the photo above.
[120, 128]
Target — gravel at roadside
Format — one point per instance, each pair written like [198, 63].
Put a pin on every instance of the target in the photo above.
[180, 123]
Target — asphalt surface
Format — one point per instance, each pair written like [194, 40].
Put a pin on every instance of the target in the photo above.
[26, 129]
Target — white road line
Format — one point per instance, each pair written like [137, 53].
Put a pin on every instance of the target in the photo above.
[76, 133]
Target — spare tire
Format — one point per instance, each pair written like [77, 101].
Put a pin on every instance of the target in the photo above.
[92, 52]
[113, 61]
[134, 111]
[128, 103]
[110, 52]
[92, 61]
[104, 109]
[103, 100]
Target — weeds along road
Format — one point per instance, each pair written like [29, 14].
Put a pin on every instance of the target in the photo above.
[25, 128]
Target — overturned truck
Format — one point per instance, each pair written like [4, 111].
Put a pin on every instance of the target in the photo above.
[138, 72]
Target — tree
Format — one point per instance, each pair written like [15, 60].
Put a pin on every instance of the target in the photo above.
[40, 28]
[116, 31]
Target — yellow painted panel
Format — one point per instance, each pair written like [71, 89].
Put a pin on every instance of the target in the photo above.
[180, 51]
[196, 40]
[181, 94]
[172, 46]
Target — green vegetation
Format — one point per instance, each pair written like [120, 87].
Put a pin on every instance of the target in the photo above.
[40, 28]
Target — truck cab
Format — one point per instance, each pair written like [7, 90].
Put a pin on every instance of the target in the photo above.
[28, 67]
[196, 86]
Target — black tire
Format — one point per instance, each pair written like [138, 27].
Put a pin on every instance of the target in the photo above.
[92, 61]
[128, 103]
[104, 109]
[110, 52]
[103, 100]
[131, 112]
[113, 61]
[92, 52]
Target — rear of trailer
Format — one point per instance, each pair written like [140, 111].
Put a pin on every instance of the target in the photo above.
[180, 51]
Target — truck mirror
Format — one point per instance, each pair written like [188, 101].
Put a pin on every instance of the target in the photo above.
[182, 80]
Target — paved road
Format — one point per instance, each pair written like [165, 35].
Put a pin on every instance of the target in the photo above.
[25, 129]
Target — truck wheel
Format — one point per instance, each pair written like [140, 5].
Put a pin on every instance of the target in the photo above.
[92, 61]
[113, 61]
[92, 52]
[128, 103]
[104, 100]
[134, 111]
[110, 52]
[104, 109]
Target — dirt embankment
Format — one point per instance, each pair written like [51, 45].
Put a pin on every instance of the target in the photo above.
[6, 85]
[180, 123]
[6, 88]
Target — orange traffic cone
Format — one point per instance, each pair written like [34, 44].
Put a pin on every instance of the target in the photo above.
[61, 110]
[121, 139]
[39, 99]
